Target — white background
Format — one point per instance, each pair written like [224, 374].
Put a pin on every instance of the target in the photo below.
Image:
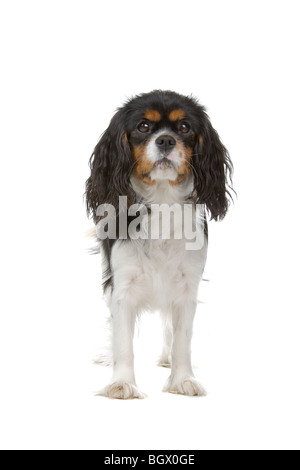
[65, 67]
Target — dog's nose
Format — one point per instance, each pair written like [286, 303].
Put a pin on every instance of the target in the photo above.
[166, 143]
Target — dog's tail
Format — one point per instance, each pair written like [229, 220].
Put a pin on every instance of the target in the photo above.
[92, 234]
[105, 358]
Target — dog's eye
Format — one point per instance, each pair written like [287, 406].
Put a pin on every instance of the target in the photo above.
[144, 127]
[184, 127]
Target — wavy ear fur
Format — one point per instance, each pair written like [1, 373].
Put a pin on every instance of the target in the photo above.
[212, 169]
[111, 165]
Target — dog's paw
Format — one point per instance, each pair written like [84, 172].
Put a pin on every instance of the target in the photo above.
[121, 391]
[163, 362]
[167, 365]
[186, 386]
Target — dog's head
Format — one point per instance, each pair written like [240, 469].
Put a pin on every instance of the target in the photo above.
[160, 136]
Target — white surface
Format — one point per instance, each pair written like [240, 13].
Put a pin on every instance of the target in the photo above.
[66, 66]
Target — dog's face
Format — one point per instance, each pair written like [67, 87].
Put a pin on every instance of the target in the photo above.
[162, 140]
[160, 136]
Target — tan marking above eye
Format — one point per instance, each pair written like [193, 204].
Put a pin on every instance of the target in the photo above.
[152, 115]
[177, 115]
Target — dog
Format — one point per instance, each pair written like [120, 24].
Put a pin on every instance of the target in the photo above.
[160, 150]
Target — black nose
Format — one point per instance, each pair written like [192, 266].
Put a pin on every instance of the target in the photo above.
[166, 143]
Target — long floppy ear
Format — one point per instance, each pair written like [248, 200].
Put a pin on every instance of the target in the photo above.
[212, 169]
[111, 165]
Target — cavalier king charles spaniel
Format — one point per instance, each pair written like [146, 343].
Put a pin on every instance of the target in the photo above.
[160, 161]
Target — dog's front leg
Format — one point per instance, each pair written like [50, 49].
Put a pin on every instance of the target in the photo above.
[123, 385]
[182, 379]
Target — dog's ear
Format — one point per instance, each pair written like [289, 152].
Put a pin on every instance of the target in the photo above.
[212, 170]
[111, 165]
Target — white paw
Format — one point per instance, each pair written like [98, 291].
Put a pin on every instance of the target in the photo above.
[163, 362]
[187, 386]
[167, 365]
[121, 391]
